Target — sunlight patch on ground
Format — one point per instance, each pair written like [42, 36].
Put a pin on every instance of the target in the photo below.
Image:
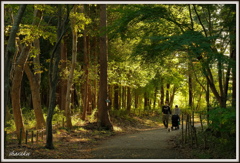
[117, 129]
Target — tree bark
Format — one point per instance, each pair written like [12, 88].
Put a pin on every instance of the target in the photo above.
[18, 69]
[86, 79]
[116, 97]
[63, 80]
[167, 92]
[103, 112]
[129, 99]
[53, 75]
[9, 53]
[162, 95]
[36, 99]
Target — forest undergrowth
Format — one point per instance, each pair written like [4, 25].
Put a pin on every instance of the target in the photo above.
[78, 142]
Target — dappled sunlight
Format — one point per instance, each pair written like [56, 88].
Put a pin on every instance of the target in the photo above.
[117, 129]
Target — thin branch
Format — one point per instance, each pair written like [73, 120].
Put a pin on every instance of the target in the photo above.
[200, 20]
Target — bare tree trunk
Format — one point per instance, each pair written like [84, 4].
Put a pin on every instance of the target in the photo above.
[167, 92]
[162, 96]
[70, 77]
[136, 99]
[9, 53]
[116, 97]
[36, 99]
[86, 79]
[63, 80]
[35, 78]
[103, 112]
[53, 75]
[129, 99]
[18, 70]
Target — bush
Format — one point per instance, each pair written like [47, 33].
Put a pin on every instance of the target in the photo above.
[223, 120]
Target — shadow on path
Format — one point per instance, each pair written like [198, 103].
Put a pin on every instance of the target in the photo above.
[151, 144]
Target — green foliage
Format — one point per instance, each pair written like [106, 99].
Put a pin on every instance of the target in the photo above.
[223, 120]
[58, 116]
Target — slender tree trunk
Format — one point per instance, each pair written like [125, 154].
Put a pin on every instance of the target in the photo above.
[167, 92]
[162, 96]
[103, 112]
[8, 55]
[129, 99]
[86, 81]
[63, 80]
[18, 70]
[53, 75]
[172, 96]
[36, 99]
[155, 97]
[136, 99]
[116, 97]
[35, 78]
[70, 77]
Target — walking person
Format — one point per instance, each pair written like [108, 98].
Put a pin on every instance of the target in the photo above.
[176, 117]
[165, 114]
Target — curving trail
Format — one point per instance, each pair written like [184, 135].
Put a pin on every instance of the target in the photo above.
[151, 144]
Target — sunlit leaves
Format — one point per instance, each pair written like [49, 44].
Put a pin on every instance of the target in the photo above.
[79, 20]
[32, 32]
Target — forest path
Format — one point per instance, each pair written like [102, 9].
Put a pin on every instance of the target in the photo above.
[151, 144]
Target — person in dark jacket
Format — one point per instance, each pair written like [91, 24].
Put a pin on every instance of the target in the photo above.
[165, 114]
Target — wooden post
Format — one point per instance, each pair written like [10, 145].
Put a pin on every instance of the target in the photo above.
[201, 121]
[191, 130]
[63, 122]
[26, 136]
[186, 130]
[42, 135]
[32, 138]
[182, 130]
[5, 138]
[37, 137]
[20, 137]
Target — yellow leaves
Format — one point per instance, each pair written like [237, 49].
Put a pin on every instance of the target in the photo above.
[38, 72]
[48, 60]
[79, 21]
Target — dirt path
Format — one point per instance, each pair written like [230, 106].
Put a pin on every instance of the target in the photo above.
[151, 144]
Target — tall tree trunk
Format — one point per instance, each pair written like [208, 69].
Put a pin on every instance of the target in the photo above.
[146, 101]
[18, 70]
[129, 99]
[86, 80]
[208, 103]
[190, 93]
[155, 97]
[116, 97]
[35, 78]
[36, 98]
[8, 55]
[136, 99]
[53, 75]
[162, 95]
[172, 96]
[63, 80]
[103, 112]
[70, 77]
[233, 57]
[167, 92]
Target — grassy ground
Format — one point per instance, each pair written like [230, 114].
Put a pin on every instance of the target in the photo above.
[77, 142]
